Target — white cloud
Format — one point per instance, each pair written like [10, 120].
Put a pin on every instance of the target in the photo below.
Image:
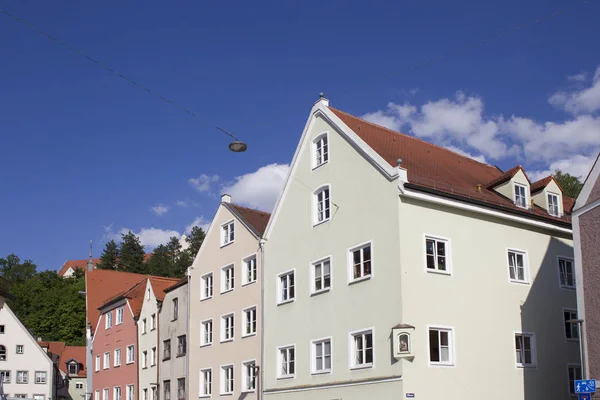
[578, 77]
[160, 209]
[577, 165]
[480, 158]
[198, 221]
[586, 100]
[259, 189]
[203, 182]
[149, 237]
[186, 203]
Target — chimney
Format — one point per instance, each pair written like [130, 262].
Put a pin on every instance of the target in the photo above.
[225, 198]
[90, 264]
[479, 187]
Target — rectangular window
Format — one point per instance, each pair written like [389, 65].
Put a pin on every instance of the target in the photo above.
[97, 395]
[227, 379]
[20, 396]
[154, 391]
[227, 327]
[441, 346]
[249, 376]
[553, 204]
[175, 309]
[361, 262]
[287, 362]
[362, 349]
[166, 390]
[106, 360]
[181, 345]
[321, 350]
[574, 375]
[130, 354]
[97, 363]
[322, 205]
[525, 351]
[250, 270]
[436, 254]
[321, 275]
[520, 196]
[321, 150]
[119, 315]
[19, 349]
[5, 376]
[206, 382]
[39, 397]
[227, 279]
[166, 349]
[153, 322]
[567, 273]
[207, 287]
[22, 376]
[117, 393]
[227, 233]
[206, 333]
[181, 388]
[144, 326]
[250, 321]
[108, 320]
[517, 266]
[286, 290]
[78, 385]
[145, 359]
[105, 394]
[571, 328]
[153, 356]
[145, 394]
[130, 392]
[1, 329]
[40, 377]
[73, 369]
[117, 357]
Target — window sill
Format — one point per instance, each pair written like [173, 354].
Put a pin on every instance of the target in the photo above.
[206, 344]
[526, 366]
[206, 298]
[174, 319]
[248, 335]
[438, 272]
[358, 280]
[246, 284]
[180, 355]
[117, 366]
[153, 329]
[315, 224]
[320, 165]
[568, 287]
[286, 377]
[359, 367]
[226, 394]
[248, 391]
[324, 372]
[574, 340]
[205, 396]
[227, 340]
[441, 365]
[227, 244]
[227, 291]
[129, 362]
[286, 302]
[519, 282]
[166, 359]
[321, 291]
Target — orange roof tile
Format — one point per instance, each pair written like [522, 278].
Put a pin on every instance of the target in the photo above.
[257, 220]
[73, 353]
[82, 264]
[506, 177]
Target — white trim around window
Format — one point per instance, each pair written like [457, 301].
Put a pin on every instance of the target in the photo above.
[358, 352]
[445, 340]
[554, 209]
[249, 327]
[207, 286]
[366, 269]
[321, 204]
[226, 388]
[321, 282]
[437, 262]
[572, 331]
[227, 233]
[521, 195]
[514, 275]
[244, 369]
[206, 338]
[249, 269]
[286, 287]
[205, 389]
[321, 356]
[222, 331]
[522, 352]
[563, 279]
[227, 278]
[320, 152]
[290, 361]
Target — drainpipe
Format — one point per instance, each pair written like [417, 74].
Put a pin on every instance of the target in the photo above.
[261, 243]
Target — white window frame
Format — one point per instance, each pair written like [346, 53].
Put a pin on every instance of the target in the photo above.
[325, 155]
[227, 232]
[244, 376]
[246, 263]
[203, 386]
[313, 356]
[24, 377]
[108, 321]
[223, 327]
[153, 357]
[106, 362]
[152, 322]
[525, 194]
[448, 254]
[279, 291]
[148, 294]
[207, 286]
[119, 312]
[144, 359]
[203, 330]
[533, 363]
[279, 362]
[350, 262]
[525, 266]
[572, 262]
[131, 359]
[144, 326]
[72, 364]
[105, 394]
[20, 349]
[222, 389]
[352, 350]
[224, 277]
[117, 395]
[451, 346]
[313, 275]
[98, 363]
[572, 388]
[174, 309]
[574, 327]
[558, 208]
[41, 377]
[327, 203]
[5, 377]
[130, 392]
[79, 385]
[97, 394]
[117, 358]
[245, 321]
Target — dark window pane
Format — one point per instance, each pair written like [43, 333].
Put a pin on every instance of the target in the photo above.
[429, 244]
[442, 263]
[367, 267]
[441, 249]
[430, 262]
[434, 348]
[367, 253]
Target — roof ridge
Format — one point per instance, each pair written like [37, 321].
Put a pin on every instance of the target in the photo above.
[413, 138]
[250, 209]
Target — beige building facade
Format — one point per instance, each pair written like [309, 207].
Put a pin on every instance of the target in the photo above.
[225, 304]
[398, 269]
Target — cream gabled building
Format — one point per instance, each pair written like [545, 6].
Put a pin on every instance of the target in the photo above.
[395, 268]
[225, 305]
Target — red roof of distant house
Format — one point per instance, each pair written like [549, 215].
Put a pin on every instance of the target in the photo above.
[257, 220]
[438, 169]
[82, 264]
[66, 353]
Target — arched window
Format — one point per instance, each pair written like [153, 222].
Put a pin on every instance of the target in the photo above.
[322, 207]
[2, 353]
[320, 150]
[403, 343]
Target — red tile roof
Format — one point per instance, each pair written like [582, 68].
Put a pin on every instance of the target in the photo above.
[64, 353]
[82, 264]
[507, 176]
[258, 220]
[433, 168]
[542, 183]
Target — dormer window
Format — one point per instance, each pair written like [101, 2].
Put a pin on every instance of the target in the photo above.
[73, 368]
[520, 195]
[320, 150]
[553, 208]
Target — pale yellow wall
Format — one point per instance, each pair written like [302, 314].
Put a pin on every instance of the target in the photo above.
[210, 259]
[145, 343]
[508, 188]
[541, 197]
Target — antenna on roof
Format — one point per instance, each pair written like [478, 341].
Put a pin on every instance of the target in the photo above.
[90, 263]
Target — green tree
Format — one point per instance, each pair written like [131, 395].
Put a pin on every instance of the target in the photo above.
[160, 262]
[570, 185]
[131, 254]
[12, 269]
[195, 240]
[110, 256]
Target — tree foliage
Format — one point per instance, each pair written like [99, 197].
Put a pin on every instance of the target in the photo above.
[110, 256]
[131, 254]
[570, 185]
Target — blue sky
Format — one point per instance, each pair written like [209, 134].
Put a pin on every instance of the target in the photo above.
[86, 154]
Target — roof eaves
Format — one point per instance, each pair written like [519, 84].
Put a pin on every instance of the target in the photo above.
[238, 216]
[183, 281]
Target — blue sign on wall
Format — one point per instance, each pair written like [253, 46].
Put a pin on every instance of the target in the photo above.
[585, 396]
[585, 386]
